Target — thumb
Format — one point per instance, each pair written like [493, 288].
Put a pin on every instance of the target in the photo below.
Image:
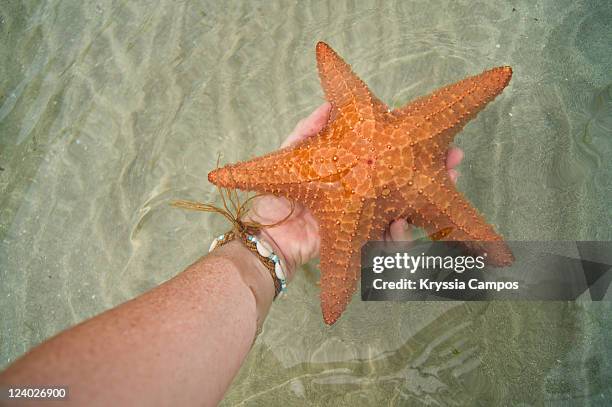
[309, 126]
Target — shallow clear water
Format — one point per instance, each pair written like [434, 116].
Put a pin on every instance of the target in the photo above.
[110, 110]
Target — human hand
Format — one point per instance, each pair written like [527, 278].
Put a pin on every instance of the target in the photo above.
[297, 238]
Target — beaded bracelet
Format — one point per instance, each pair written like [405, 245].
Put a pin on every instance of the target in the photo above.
[263, 251]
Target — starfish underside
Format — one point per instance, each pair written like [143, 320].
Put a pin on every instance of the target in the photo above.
[370, 166]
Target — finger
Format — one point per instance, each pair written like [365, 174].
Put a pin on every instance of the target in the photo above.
[453, 174]
[454, 157]
[400, 231]
[309, 126]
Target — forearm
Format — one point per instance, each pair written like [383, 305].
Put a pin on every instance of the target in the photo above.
[179, 344]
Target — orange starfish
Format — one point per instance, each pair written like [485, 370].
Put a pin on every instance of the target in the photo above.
[370, 166]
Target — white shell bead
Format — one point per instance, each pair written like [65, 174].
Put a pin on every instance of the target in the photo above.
[278, 270]
[213, 245]
[263, 248]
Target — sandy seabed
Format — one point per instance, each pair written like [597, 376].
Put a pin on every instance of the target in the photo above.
[110, 111]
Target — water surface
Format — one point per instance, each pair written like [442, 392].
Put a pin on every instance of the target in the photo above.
[109, 110]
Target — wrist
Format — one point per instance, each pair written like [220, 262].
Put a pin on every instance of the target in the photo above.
[276, 239]
[252, 272]
[279, 239]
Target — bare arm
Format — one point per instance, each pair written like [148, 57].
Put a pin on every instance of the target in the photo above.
[181, 343]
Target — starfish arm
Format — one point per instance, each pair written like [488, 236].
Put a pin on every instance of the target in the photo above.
[344, 227]
[317, 162]
[349, 96]
[446, 214]
[442, 114]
